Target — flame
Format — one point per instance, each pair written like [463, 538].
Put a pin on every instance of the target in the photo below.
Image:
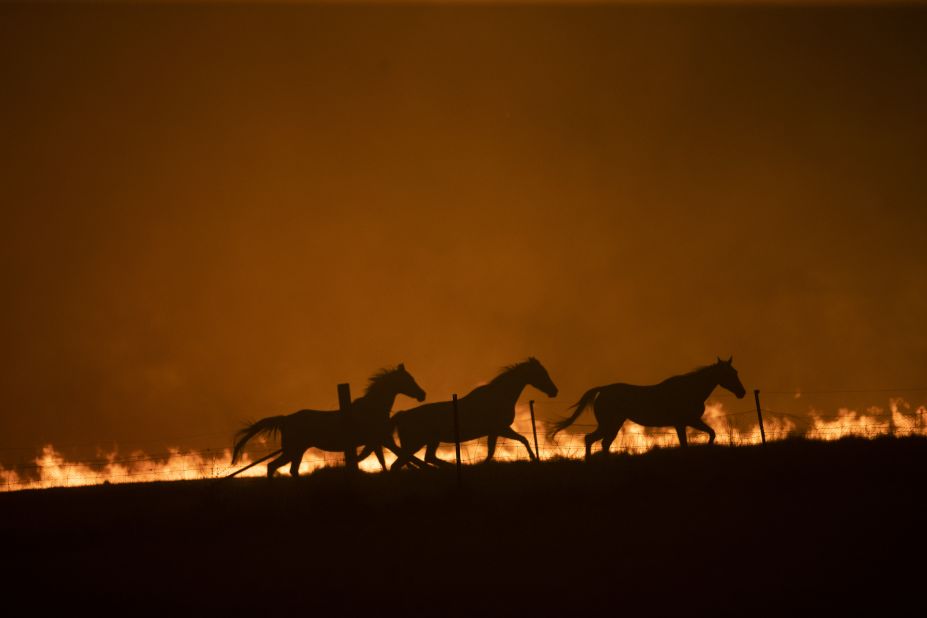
[52, 469]
[873, 423]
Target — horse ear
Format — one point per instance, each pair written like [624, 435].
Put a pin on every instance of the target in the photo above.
[730, 360]
[402, 366]
[719, 360]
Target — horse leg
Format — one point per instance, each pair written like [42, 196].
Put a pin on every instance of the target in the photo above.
[511, 434]
[607, 438]
[294, 463]
[702, 426]
[379, 453]
[405, 454]
[418, 463]
[276, 463]
[401, 459]
[681, 432]
[431, 455]
[490, 447]
[590, 438]
[376, 450]
[610, 434]
[398, 452]
[287, 452]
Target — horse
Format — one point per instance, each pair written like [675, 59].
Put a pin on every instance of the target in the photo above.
[366, 424]
[488, 410]
[678, 401]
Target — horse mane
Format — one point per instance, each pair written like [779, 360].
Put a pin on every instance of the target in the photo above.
[379, 377]
[698, 370]
[508, 369]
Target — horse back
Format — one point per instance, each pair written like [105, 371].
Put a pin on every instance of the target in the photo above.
[435, 421]
[425, 414]
[653, 405]
[301, 417]
[330, 430]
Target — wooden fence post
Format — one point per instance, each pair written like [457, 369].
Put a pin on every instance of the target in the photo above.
[534, 430]
[457, 438]
[344, 405]
[759, 415]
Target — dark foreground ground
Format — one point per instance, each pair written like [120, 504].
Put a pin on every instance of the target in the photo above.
[798, 527]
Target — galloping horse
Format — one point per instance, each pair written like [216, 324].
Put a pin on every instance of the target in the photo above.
[678, 402]
[367, 424]
[488, 410]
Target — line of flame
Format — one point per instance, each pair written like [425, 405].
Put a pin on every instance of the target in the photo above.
[53, 470]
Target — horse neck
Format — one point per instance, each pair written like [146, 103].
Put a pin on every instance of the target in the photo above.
[508, 387]
[703, 383]
[377, 399]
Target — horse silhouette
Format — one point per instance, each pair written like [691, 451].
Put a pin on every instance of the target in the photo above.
[678, 401]
[366, 424]
[488, 410]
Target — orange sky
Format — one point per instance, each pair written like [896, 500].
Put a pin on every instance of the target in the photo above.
[218, 213]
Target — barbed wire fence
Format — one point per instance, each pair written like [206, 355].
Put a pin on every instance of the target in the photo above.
[733, 429]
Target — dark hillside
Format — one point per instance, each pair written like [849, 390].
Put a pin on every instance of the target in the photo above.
[798, 527]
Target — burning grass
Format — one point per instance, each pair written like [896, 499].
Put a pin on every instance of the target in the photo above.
[50, 468]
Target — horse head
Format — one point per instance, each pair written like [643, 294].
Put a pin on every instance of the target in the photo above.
[538, 377]
[727, 377]
[406, 384]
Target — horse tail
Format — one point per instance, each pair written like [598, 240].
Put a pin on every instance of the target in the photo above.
[579, 406]
[272, 425]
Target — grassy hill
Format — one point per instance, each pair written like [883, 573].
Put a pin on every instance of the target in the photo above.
[797, 526]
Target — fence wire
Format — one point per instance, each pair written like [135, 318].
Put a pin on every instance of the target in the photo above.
[215, 462]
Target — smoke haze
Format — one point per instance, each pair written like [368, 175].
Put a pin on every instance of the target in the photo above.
[218, 213]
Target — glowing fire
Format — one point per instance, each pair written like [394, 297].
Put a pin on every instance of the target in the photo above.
[899, 421]
[51, 469]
